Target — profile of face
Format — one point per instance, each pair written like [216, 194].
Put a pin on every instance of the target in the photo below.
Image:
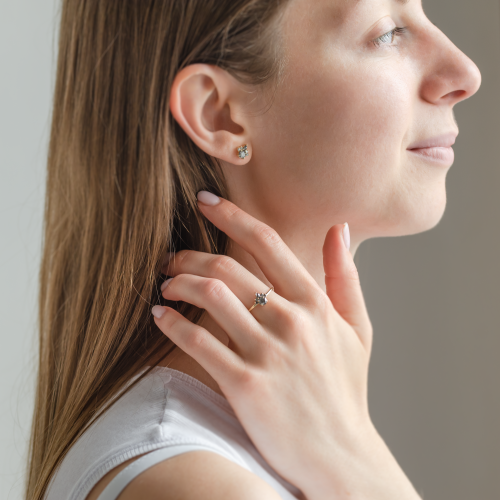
[359, 130]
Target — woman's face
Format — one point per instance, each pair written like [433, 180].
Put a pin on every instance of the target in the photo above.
[336, 145]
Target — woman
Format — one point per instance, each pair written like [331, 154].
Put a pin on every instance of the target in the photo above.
[236, 137]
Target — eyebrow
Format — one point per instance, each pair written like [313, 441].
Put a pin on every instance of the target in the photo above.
[342, 9]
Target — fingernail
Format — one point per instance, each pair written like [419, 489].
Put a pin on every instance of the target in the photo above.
[347, 235]
[158, 311]
[165, 284]
[208, 198]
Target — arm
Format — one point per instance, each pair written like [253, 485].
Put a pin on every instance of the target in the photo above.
[192, 476]
[196, 475]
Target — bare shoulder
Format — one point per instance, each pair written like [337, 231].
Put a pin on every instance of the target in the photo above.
[190, 476]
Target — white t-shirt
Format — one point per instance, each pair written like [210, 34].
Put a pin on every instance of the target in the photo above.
[165, 414]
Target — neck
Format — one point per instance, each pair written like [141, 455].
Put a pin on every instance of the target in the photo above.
[309, 251]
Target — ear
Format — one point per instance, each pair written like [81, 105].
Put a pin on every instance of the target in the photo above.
[208, 103]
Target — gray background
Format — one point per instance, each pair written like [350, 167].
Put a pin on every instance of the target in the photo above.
[433, 297]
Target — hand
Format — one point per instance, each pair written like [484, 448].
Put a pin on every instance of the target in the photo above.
[296, 375]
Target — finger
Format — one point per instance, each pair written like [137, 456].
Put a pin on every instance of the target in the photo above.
[226, 309]
[342, 283]
[278, 263]
[238, 279]
[217, 359]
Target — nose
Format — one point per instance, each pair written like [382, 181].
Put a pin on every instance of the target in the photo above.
[450, 75]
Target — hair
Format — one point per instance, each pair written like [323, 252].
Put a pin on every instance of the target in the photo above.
[122, 178]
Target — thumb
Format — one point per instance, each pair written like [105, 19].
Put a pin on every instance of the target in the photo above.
[342, 282]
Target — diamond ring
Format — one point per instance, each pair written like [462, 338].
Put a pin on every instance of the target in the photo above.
[261, 298]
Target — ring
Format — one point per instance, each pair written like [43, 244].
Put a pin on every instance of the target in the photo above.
[261, 298]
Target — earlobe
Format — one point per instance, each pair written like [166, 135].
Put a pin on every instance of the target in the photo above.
[205, 101]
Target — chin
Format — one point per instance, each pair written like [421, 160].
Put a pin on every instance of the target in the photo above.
[420, 217]
[407, 216]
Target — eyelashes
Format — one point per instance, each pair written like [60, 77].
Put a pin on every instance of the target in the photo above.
[388, 38]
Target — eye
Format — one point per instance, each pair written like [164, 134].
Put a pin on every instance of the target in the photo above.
[388, 38]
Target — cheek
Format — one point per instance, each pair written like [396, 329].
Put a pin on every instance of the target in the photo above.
[351, 130]
[366, 114]
[338, 136]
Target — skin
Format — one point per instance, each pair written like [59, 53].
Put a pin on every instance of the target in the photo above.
[336, 145]
[333, 145]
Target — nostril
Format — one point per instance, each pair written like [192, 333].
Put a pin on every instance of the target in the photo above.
[456, 95]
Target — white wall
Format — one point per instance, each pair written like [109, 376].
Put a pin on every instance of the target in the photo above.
[27, 31]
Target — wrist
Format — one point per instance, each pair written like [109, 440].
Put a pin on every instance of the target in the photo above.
[362, 469]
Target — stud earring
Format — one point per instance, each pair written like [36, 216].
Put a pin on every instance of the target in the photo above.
[243, 151]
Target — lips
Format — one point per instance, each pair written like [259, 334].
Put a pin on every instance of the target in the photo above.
[436, 149]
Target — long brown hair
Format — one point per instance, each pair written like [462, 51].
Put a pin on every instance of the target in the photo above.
[122, 178]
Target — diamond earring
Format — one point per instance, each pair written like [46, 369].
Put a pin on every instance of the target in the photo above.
[243, 151]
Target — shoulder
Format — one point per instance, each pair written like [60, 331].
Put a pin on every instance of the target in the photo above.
[190, 476]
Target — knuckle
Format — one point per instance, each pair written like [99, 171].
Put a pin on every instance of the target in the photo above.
[318, 303]
[221, 265]
[352, 273]
[170, 320]
[249, 380]
[181, 254]
[174, 283]
[291, 319]
[214, 289]
[267, 235]
[195, 339]
[234, 212]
